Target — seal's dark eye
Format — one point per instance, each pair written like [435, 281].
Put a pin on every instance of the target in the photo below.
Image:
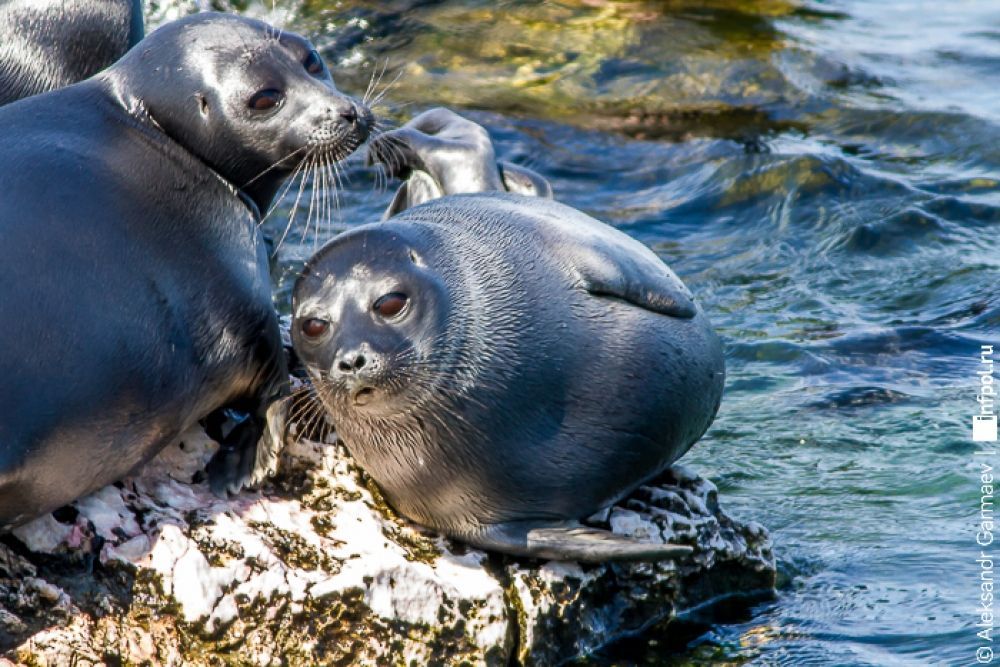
[265, 99]
[313, 328]
[313, 63]
[390, 305]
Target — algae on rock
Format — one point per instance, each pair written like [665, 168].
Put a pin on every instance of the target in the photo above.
[314, 569]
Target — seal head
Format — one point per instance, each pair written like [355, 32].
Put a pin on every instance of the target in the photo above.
[214, 81]
[371, 323]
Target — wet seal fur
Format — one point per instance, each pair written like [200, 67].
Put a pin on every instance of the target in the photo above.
[48, 44]
[539, 366]
[134, 284]
[503, 365]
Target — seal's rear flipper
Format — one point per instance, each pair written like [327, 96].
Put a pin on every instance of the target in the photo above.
[571, 541]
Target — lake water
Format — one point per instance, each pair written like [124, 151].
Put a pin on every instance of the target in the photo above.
[824, 176]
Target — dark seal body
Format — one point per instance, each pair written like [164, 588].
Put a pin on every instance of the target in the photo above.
[543, 366]
[134, 286]
[48, 44]
[135, 294]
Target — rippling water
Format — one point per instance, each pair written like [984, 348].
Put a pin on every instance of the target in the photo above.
[824, 177]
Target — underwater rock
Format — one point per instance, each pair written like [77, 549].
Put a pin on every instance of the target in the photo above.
[316, 568]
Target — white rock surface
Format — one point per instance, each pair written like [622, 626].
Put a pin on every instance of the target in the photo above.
[314, 568]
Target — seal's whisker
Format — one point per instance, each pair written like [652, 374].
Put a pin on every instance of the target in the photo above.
[319, 189]
[379, 176]
[281, 195]
[373, 84]
[292, 154]
[393, 157]
[298, 409]
[310, 404]
[328, 221]
[295, 206]
[388, 87]
[385, 68]
[312, 197]
[380, 183]
[318, 199]
[378, 98]
[301, 390]
[324, 199]
[330, 184]
[338, 187]
[304, 406]
[316, 420]
[320, 185]
[302, 400]
[306, 421]
[277, 28]
[344, 176]
[335, 186]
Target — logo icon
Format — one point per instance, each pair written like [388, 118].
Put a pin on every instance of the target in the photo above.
[984, 429]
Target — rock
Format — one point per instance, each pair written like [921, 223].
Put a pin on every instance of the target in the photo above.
[316, 568]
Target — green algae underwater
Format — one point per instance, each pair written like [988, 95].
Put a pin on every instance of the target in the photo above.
[824, 177]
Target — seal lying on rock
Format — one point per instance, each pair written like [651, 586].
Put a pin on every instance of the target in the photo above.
[48, 44]
[504, 366]
[134, 285]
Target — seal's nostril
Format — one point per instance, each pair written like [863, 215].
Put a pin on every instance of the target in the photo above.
[350, 114]
[350, 364]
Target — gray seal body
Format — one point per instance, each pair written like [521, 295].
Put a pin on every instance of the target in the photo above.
[134, 286]
[48, 44]
[533, 367]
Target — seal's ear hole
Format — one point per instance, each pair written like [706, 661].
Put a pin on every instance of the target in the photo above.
[202, 104]
[414, 257]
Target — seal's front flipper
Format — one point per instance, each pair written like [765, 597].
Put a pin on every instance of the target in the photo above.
[605, 262]
[237, 432]
[440, 153]
[248, 446]
[657, 295]
[271, 441]
[454, 151]
[250, 428]
[571, 541]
